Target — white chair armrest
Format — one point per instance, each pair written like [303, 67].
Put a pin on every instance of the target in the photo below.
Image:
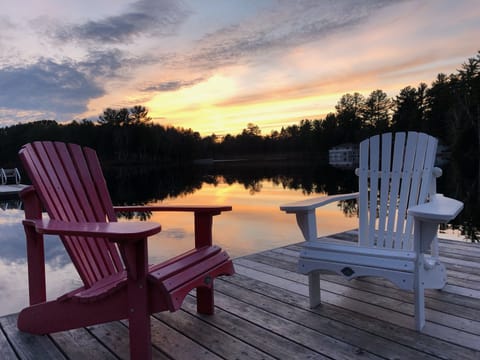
[311, 204]
[440, 209]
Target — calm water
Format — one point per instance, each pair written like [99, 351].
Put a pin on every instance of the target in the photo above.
[254, 190]
[255, 224]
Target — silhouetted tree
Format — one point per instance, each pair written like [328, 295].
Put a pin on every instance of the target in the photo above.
[252, 130]
[139, 115]
[376, 111]
[408, 110]
[349, 115]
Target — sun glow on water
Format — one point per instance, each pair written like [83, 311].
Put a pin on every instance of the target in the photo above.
[255, 224]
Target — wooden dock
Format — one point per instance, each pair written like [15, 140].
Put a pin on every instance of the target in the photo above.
[11, 189]
[262, 313]
[10, 182]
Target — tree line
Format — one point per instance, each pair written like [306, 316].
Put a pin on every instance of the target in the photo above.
[448, 109]
[118, 136]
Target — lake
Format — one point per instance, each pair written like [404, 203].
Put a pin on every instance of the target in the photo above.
[254, 190]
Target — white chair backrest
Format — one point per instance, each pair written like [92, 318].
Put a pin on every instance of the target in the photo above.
[392, 177]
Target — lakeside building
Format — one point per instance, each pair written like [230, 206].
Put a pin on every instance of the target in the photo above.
[344, 156]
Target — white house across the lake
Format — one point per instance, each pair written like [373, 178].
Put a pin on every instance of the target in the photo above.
[344, 155]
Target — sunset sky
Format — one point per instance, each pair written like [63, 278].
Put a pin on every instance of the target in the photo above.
[216, 65]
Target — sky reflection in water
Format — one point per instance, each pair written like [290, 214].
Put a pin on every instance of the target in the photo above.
[255, 224]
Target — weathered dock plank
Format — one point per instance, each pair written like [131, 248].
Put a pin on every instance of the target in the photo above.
[216, 340]
[176, 345]
[234, 323]
[6, 350]
[79, 344]
[424, 343]
[29, 346]
[326, 335]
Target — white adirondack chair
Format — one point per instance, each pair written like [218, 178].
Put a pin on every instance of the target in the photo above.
[399, 214]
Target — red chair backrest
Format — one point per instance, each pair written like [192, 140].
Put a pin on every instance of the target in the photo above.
[69, 181]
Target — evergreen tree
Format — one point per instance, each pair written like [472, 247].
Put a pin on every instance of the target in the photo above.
[349, 116]
[376, 111]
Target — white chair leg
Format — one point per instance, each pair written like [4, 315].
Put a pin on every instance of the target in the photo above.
[419, 308]
[424, 230]
[419, 296]
[314, 289]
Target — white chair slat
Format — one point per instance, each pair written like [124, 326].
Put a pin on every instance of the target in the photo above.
[424, 175]
[363, 194]
[405, 188]
[384, 186]
[395, 186]
[373, 200]
[413, 199]
[425, 189]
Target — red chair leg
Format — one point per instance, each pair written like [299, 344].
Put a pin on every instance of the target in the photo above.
[139, 314]
[205, 303]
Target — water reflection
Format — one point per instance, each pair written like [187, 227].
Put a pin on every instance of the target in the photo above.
[61, 275]
[255, 224]
[255, 190]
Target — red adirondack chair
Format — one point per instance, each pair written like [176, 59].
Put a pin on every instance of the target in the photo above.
[111, 257]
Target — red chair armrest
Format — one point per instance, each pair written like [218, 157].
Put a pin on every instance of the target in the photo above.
[203, 218]
[205, 209]
[116, 231]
